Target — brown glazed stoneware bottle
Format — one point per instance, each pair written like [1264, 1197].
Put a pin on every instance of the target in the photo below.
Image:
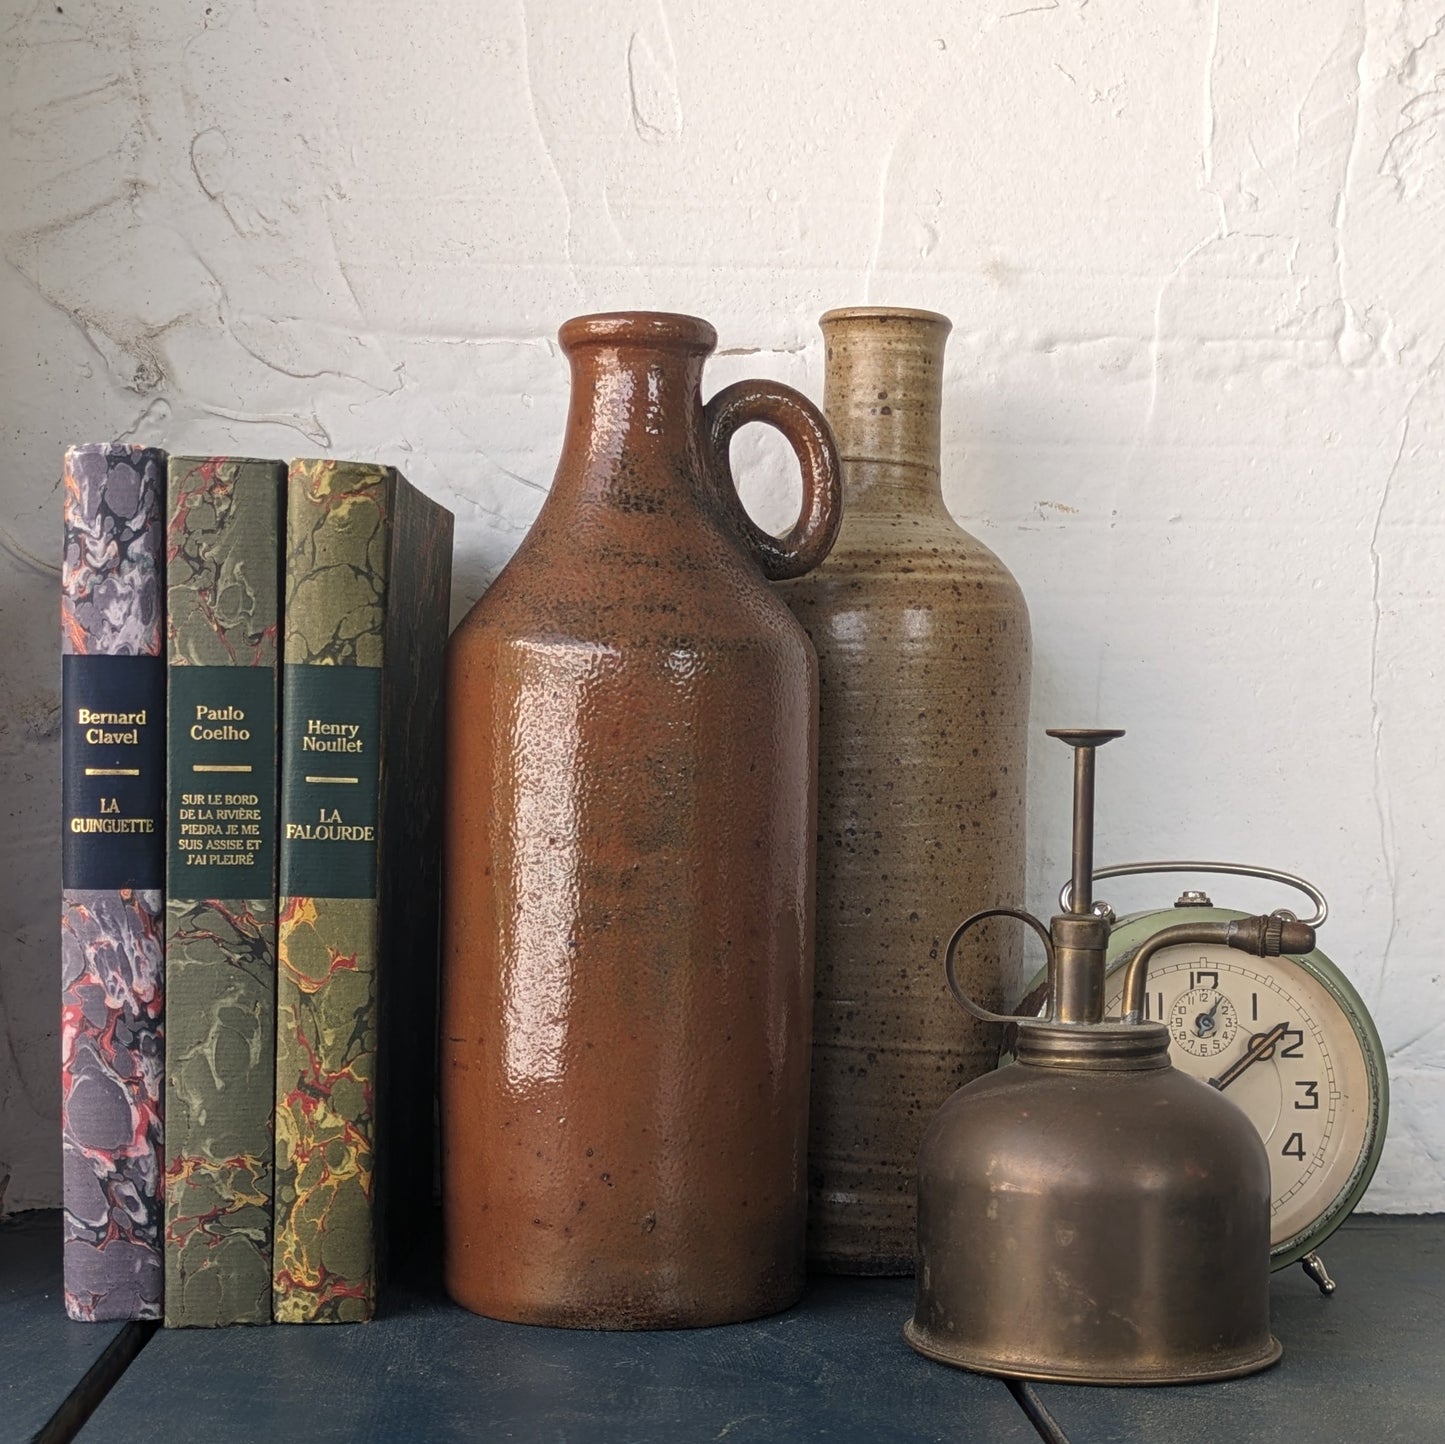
[629, 866]
[923, 646]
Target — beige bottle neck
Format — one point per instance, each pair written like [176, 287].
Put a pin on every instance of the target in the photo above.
[883, 395]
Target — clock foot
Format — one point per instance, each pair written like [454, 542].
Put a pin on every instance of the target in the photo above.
[1314, 1266]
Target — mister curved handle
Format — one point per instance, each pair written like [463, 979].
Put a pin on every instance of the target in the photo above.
[808, 434]
[950, 970]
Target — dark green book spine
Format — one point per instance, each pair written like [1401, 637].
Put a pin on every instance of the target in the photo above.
[223, 559]
[368, 575]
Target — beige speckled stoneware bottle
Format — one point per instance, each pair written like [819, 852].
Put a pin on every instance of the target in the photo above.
[923, 647]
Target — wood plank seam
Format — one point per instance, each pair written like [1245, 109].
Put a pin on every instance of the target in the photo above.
[1038, 1415]
[97, 1381]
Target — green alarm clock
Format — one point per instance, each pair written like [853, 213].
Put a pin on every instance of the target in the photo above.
[1286, 1038]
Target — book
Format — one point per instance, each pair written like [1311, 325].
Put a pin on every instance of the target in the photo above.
[112, 879]
[367, 594]
[223, 564]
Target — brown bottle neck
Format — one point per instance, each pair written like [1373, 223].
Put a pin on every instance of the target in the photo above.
[635, 438]
[883, 395]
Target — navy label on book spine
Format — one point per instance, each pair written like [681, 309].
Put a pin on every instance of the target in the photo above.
[222, 815]
[331, 767]
[113, 784]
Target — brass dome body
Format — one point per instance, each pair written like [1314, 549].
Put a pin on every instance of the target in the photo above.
[1094, 1219]
[1091, 1214]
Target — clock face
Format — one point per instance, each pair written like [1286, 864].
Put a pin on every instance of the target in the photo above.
[1314, 1091]
[1202, 1021]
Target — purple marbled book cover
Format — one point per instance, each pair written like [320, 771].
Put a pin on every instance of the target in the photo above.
[112, 910]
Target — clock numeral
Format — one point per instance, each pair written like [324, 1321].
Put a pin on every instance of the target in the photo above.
[1160, 997]
[1254, 1007]
[1294, 1146]
[1209, 978]
[1294, 1044]
[1312, 1095]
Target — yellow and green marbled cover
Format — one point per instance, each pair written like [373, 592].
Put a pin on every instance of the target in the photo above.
[222, 561]
[368, 567]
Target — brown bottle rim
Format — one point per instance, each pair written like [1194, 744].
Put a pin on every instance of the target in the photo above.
[638, 328]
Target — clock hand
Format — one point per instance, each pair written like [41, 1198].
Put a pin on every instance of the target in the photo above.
[1204, 1022]
[1259, 1045]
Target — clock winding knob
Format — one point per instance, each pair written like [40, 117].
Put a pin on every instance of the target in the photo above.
[1270, 935]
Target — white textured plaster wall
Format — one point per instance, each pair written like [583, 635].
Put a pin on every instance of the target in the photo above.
[1194, 396]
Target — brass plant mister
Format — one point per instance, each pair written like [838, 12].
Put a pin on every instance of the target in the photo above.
[1093, 1215]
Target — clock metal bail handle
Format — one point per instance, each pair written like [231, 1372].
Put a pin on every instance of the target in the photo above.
[1231, 869]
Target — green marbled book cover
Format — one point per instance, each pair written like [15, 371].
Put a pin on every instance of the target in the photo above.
[368, 581]
[223, 542]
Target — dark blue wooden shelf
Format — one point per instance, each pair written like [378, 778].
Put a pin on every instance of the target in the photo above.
[51, 1370]
[1366, 1365]
[834, 1368]
[1363, 1365]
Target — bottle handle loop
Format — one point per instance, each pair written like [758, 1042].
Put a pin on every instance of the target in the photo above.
[802, 424]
